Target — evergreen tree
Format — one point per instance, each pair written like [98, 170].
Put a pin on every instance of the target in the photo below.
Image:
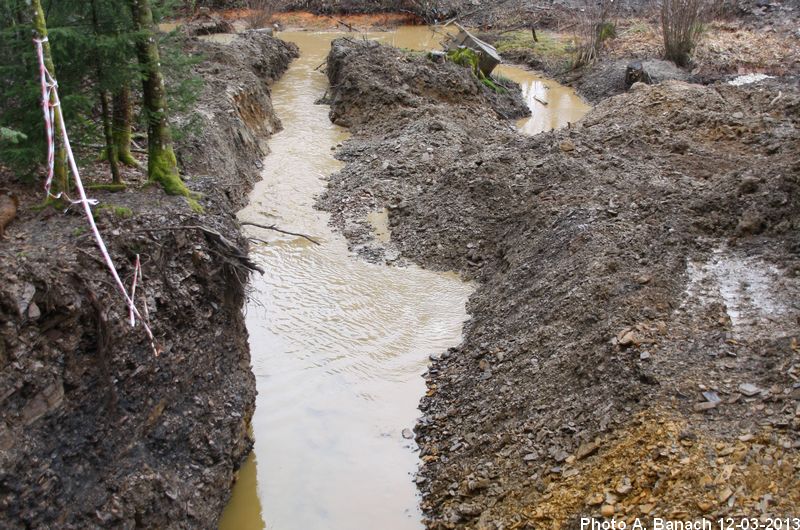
[92, 45]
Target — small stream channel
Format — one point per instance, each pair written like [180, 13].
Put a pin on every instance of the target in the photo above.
[338, 345]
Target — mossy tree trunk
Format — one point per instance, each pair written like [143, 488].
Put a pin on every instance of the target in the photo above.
[61, 177]
[162, 166]
[121, 126]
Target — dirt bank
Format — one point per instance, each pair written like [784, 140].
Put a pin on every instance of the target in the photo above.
[96, 430]
[633, 342]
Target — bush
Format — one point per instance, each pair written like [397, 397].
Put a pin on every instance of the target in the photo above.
[681, 23]
[259, 13]
[595, 27]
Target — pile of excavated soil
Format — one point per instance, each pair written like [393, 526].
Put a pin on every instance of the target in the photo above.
[632, 349]
[95, 429]
[408, 81]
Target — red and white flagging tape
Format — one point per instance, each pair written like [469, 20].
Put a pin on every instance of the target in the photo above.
[52, 105]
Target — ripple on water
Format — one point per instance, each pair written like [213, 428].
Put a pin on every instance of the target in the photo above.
[337, 345]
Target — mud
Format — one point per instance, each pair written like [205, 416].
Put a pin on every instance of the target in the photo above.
[95, 430]
[633, 342]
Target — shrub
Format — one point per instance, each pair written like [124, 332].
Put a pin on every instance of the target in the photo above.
[595, 28]
[681, 24]
[259, 13]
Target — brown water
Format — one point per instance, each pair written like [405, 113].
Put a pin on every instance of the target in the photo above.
[552, 105]
[338, 345]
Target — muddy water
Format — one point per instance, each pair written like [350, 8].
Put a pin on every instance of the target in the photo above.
[337, 344]
[552, 105]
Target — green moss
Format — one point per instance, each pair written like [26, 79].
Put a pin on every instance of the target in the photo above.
[163, 169]
[548, 45]
[470, 59]
[125, 157]
[605, 31]
[107, 187]
[118, 211]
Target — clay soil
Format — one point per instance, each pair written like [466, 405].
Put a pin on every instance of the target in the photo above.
[633, 343]
[97, 431]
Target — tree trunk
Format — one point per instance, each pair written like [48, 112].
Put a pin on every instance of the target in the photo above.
[162, 167]
[111, 152]
[111, 148]
[61, 178]
[121, 126]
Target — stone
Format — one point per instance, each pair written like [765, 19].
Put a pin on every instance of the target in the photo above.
[624, 487]
[33, 311]
[627, 337]
[725, 494]
[586, 449]
[595, 499]
[749, 390]
[567, 146]
[651, 72]
[407, 433]
[705, 406]
[23, 298]
[607, 510]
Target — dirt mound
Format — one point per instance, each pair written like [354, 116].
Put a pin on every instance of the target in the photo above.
[368, 79]
[96, 430]
[605, 79]
[633, 342]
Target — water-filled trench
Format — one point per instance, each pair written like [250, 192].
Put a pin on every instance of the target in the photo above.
[337, 344]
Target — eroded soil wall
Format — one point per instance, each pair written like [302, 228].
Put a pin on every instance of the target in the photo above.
[96, 430]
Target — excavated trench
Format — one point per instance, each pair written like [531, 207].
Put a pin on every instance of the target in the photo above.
[338, 344]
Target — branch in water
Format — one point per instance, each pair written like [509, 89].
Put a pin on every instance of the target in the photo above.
[276, 229]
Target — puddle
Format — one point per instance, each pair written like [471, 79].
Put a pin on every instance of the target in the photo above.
[552, 105]
[338, 345]
[380, 225]
[755, 294]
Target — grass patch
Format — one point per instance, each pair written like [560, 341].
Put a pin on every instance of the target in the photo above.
[118, 211]
[106, 187]
[549, 44]
[639, 28]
